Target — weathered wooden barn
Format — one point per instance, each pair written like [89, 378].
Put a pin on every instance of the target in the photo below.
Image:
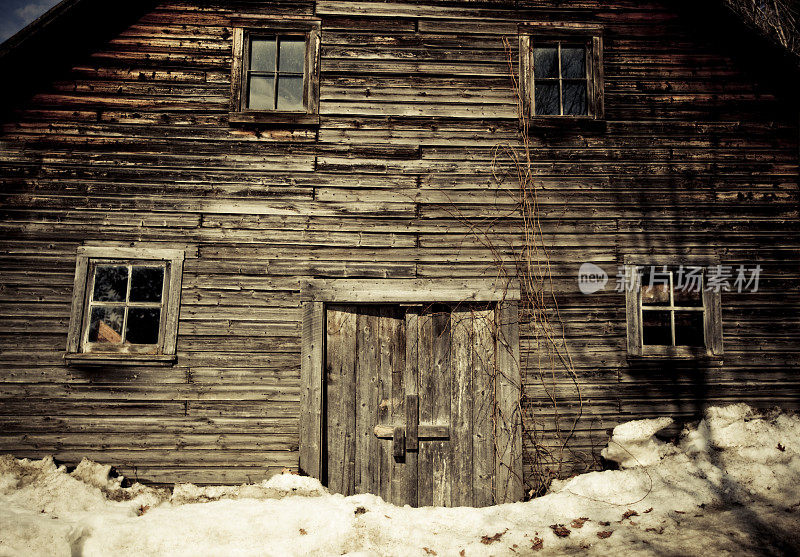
[346, 236]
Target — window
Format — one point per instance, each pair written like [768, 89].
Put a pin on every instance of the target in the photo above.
[561, 71]
[671, 311]
[275, 74]
[125, 305]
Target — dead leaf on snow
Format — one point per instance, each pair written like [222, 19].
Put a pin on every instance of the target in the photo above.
[491, 539]
[429, 551]
[303, 532]
[578, 522]
[649, 510]
[560, 530]
[538, 543]
[629, 513]
[603, 534]
[141, 510]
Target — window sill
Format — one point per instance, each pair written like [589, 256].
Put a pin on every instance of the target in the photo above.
[273, 118]
[567, 124]
[675, 353]
[96, 359]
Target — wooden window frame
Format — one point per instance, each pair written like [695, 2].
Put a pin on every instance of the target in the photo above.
[591, 36]
[243, 30]
[316, 294]
[81, 351]
[712, 311]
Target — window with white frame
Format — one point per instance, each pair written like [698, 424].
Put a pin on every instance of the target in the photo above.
[125, 305]
[671, 311]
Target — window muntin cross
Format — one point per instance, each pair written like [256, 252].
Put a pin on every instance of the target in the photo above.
[125, 303]
[560, 79]
[275, 75]
[672, 307]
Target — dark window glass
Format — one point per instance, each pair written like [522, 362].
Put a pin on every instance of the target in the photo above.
[545, 63]
[689, 328]
[290, 93]
[688, 290]
[262, 54]
[292, 55]
[143, 325]
[656, 328]
[105, 325]
[147, 284]
[573, 62]
[110, 283]
[547, 101]
[575, 98]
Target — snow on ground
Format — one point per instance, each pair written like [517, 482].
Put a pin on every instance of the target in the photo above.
[730, 486]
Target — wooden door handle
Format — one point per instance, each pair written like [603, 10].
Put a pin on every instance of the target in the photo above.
[399, 443]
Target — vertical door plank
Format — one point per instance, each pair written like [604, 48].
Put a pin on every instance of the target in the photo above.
[434, 483]
[311, 390]
[366, 402]
[508, 471]
[461, 442]
[392, 352]
[340, 370]
[408, 487]
[483, 369]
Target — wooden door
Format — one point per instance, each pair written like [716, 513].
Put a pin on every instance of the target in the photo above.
[409, 396]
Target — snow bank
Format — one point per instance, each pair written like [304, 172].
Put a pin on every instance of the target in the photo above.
[730, 486]
[632, 443]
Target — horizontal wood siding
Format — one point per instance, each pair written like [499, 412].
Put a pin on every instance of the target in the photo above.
[133, 147]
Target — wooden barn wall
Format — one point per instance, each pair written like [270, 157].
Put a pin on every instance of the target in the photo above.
[134, 147]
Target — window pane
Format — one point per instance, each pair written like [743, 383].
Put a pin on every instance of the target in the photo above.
[261, 94]
[143, 325]
[146, 284]
[545, 62]
[688, 291]
[106, 325]
[655, 287]
[656, 328]
[110, 283]
[575, 98]
[292, 55]
[290, 93]
[262, 54]
[689, 328]
[546, 99]
[573, 62]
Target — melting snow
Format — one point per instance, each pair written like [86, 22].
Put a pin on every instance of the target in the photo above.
[730, 486]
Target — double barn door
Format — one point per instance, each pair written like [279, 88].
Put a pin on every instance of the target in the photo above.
[410, 393]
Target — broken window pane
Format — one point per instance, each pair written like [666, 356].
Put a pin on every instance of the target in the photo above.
[688, 291]
[573, 62]
[575, 98]
[261, 94]
[290, 93]
[292, 55]
[106, 325]
[655, 287]
[147, 284]
[110, 283]
[656, 328]
[262, 55]
[689, 328]
[545, 63]
[547, 99]
[143, 325]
